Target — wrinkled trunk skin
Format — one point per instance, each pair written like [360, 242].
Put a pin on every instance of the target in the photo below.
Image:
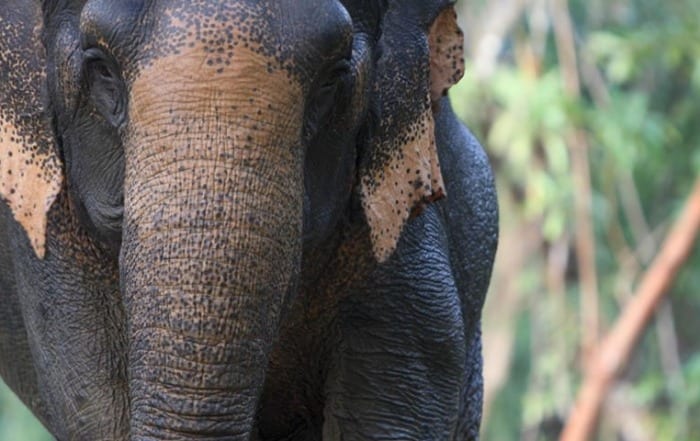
[212, 226]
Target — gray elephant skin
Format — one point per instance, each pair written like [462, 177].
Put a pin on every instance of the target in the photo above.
[241, 220]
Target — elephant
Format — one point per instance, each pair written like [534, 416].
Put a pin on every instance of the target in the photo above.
[241, 220]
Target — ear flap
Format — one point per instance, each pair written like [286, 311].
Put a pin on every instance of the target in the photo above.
[446, 53]
[30, 170]
[401, 172]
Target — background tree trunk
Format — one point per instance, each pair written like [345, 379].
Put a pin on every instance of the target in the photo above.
[616, 348]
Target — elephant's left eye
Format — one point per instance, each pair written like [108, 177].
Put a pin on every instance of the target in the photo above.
[105, 85]
[333, 88]
[335, 80]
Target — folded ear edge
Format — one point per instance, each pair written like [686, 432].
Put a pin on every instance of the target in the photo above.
[410, 178]
[446, 41]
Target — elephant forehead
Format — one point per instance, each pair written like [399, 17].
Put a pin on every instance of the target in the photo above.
[235, 79]
[222, 30]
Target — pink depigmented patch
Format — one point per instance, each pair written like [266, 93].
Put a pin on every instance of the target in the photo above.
[446, 54]
[29, 181]
[411, 179]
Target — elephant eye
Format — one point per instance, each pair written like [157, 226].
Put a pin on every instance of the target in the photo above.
[105, 85]
[330, 92]
[340, 72]
[329, 88]
[103, 71]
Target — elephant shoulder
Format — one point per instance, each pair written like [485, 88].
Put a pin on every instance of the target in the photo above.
[470, 210]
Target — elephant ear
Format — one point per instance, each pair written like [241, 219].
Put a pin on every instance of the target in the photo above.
[446, 53]
[421, 57]
[30, 169]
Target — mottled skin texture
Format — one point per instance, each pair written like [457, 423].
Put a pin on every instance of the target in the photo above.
[393, 351]
[250, 239]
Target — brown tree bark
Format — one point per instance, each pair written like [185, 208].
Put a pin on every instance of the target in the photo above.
[616, 348]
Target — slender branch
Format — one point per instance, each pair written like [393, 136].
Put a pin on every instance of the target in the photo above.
[665, 325]
[671, 363]
[616, 348]
[578, 144]
[632, 207]
[566, 46]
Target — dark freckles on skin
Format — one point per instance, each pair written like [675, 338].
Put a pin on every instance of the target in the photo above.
[285, 39]
[221, 30]
[220, 93]
[302, 51]
[27, 158]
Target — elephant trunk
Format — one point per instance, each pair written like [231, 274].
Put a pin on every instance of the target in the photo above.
[213, 213]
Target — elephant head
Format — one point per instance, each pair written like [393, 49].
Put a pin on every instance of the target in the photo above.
[203, 145]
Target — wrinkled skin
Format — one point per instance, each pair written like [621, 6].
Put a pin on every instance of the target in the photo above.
[225, 220]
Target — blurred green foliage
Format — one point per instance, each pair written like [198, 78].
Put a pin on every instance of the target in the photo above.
[638, 113]
[16, 422]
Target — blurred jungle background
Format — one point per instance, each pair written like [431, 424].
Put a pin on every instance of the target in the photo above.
[590, 113]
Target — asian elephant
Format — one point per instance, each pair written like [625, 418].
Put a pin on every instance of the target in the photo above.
[240, 220]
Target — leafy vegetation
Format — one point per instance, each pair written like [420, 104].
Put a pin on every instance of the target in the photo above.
[16, 422]
[622, 86]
